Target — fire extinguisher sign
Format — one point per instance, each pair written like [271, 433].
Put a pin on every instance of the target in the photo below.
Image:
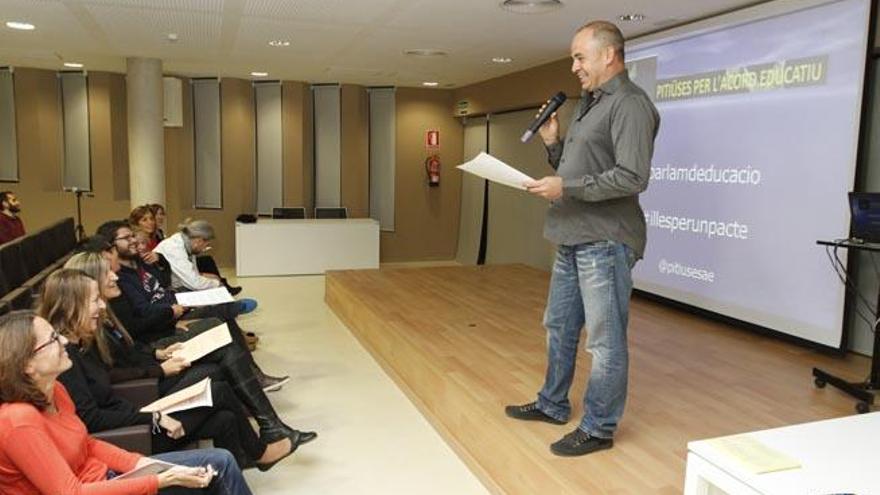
[432, 139]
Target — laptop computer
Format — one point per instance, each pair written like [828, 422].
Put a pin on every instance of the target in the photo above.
[865, 216]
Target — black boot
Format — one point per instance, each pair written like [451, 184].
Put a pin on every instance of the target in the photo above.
[247, 387]
[268, 383]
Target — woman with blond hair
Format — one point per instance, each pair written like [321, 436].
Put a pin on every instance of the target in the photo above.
[45, 448]
[103, 353]
[124, 358]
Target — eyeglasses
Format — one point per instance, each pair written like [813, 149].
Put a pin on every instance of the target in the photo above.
[55, 337]
[125, 238]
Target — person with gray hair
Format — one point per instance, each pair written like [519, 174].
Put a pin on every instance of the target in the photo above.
[181, 250]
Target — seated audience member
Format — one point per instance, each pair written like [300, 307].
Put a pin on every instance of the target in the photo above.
[159, 214]
[102, 353]
[11, 226]
[151, 303]
[100, 266]
[45, 448]
[155, 262]
[186, 251]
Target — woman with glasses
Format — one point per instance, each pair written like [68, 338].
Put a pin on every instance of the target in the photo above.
[45, 448]
[102, 355]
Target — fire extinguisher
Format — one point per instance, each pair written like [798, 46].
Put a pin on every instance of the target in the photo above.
[432, 168]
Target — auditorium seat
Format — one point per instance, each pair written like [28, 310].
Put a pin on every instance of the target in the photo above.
[4, 286]
[31, 253]
[26, 262]
[133, 438]
[19, 298]
[12, 263]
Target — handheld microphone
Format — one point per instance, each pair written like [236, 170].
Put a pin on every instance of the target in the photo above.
[552, 105]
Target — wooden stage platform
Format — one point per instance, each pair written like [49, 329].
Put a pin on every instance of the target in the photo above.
[462, 342]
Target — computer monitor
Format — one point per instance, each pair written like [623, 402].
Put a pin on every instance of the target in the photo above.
[865, 210]
[340, 212]
[298, 212]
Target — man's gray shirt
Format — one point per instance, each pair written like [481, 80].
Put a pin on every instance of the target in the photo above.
[604, 162]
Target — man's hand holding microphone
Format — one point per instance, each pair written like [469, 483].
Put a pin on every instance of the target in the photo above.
[547, 125]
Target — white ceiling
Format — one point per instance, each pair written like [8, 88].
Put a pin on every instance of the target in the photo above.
[349, 41]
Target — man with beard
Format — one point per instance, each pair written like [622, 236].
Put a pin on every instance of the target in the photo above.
[11, 226]
[149, 311]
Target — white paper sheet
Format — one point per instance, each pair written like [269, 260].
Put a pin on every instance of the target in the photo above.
[196, 395]
[207, 297]
[488, 167]
[204, 343]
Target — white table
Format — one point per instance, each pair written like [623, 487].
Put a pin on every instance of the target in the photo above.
[837, 456]
[305, 246]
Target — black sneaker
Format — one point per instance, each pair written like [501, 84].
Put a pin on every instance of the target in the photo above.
[530, 412]
[580, 442]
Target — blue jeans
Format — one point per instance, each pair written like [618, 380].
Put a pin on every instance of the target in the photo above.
[227, 481]
[591, 284]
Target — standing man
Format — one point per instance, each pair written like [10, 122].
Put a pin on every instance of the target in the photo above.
[596, 221]
[10, 225]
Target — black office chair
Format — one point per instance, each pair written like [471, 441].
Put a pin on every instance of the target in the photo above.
[298, 212]
[340, 212]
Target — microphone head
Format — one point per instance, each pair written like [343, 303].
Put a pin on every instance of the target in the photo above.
[560, 97]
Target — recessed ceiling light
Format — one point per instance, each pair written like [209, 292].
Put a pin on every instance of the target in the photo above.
[502, 60]
[279, 43]
[73, 65]
[259, 74]
[430, 84]
[172, 37]
[530, 6]
[631, 17]
[24, 26]
[425, 52]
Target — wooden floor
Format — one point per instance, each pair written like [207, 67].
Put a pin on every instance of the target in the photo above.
[462, 342]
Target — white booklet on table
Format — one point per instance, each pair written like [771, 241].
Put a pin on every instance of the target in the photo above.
[207, 297]
[204, 343]
[488, 167]
[196, 395]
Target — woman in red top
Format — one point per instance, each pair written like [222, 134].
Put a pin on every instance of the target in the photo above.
[44, 447]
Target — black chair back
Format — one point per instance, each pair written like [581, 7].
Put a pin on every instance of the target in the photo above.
[331, 212]
[31, 255]
[298, 212]
[4, 286]
[12, 264]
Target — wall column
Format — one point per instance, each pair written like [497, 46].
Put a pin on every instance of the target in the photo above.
[146, 135]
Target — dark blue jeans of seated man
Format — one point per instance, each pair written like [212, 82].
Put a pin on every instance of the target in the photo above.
[590, 285]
